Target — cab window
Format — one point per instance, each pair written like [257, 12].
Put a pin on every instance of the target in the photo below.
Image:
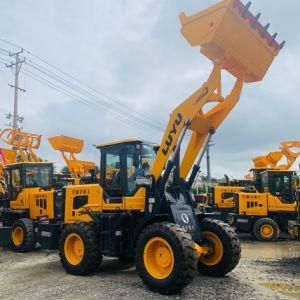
[38, 176]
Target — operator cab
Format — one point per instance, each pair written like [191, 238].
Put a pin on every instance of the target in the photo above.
[256, 175]
[122, 162]
[279, 184]
[27, 175]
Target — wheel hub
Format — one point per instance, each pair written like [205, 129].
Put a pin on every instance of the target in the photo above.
[266, 230]
[215, 249]
[74, 249]
[158, 258]
[18, 236]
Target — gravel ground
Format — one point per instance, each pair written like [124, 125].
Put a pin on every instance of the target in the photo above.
[266, 271]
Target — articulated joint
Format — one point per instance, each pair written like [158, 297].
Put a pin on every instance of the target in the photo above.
[201, 250]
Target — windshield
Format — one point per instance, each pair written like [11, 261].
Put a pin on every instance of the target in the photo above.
[38, 176]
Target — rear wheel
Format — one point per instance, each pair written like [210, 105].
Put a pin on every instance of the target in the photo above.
[224, 250]
[266, 230]
[23, 235]
[165, 257]
[79, 249]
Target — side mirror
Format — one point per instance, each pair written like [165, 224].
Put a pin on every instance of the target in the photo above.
[143, 181]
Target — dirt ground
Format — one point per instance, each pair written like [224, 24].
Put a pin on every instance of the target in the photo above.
[266, 271]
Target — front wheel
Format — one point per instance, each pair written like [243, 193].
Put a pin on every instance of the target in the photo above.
[23, 235]
[224, 249]
[79, 249]
[266, 230]
[165, 257]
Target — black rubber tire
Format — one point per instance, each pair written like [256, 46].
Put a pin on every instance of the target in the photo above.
[257, 226]
[231, 248]
[92, 255]
[28, 232]
[185, 258]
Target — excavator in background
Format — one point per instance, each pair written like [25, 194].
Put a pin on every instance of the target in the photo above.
[152, 217]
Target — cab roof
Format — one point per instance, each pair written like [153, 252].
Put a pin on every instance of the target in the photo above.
[125, 141]
[278, 171]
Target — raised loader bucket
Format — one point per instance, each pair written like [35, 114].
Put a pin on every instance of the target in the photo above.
[20, 139]
[260, 161]
[228, 33]
[69, 146]
[274, 157]
[66, 144]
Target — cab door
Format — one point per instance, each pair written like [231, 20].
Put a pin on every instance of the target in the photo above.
[111, 177]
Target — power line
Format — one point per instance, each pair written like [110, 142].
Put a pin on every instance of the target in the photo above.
[120, 106]
[78, 98]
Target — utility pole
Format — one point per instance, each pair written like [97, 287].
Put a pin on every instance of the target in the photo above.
[17, 66]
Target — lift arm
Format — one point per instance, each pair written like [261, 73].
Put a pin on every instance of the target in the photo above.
[235, 41]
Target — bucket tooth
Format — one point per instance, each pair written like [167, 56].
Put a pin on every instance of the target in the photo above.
[246, 9]
[282, 45]
[265, 30]
[255, 20]
[273, 39]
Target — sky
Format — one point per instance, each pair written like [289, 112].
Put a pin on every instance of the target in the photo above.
[133, 51]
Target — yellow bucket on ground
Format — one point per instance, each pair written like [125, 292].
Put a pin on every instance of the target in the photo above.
[66, 144]
[231, 35]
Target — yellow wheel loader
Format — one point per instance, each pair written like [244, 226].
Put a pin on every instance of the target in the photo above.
[143, 206]
[266, 211]
[29, 193]
[221, 201]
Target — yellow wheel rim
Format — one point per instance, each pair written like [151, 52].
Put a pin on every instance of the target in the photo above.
[215, 252]
[266, 230]
[74, 249]
[158, 258]
[18, 236]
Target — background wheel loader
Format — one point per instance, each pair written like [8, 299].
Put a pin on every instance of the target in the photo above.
[138, 209]
[273, 208]
[266, 211]
[32, 194]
